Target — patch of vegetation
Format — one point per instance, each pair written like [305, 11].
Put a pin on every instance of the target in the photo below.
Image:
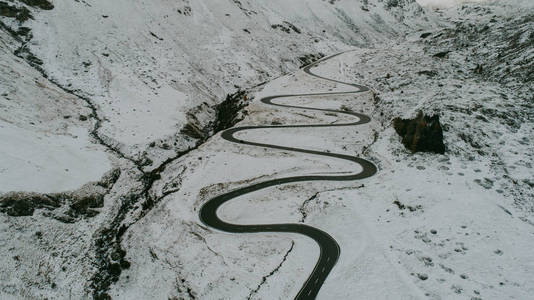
[186, 11]
[392, 3]
[281, 27]
[286, 27]
[402, 206]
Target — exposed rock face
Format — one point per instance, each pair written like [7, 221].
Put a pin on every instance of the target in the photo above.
[228, 111]
[42, 4]
[421, 134]
[24, 204]
[22, 14]
[81, 202]
[310, 58]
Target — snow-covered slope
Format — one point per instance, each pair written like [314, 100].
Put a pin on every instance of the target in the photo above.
[132, 86]
[146, 66]
[125, 77]
[44, 131]
[154, 61]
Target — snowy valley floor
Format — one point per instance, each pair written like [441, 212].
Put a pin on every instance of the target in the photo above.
[423, 227]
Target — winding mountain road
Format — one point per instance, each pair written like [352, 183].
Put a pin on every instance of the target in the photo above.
[329, 249]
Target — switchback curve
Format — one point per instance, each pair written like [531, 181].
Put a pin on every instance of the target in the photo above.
[329, 249]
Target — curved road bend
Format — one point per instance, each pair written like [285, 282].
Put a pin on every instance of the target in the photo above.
[329, 249]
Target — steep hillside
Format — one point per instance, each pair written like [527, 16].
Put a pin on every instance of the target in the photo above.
[155, 61]
[109, 113]
[131, 86]
[46, 131]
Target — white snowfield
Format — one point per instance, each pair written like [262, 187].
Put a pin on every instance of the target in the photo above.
[48, 163]
[453, 3]
[457, 225]
[45, 147]
[445, 3]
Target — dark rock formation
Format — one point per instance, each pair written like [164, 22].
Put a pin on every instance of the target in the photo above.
[421, 134]
[24, 204]
[193, 131]
[81, 202]
[425, 35]
[309, 58]
[22, 14]
[442, 54]
[227, 112]
[42, 4]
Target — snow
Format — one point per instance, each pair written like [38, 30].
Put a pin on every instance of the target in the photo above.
[426, 226]
[41, 163]
[162, 62]
[45, 146]
[440, 4]
[459, 236]
[445, 3]
[144, 115]
[232, 164]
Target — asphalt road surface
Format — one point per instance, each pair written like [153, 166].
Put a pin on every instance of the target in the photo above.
[329, 249]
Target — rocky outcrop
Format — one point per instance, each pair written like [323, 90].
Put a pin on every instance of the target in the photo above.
[421, 134]
[79, 203]
[20, 13]
[228, 111]
[42, 4]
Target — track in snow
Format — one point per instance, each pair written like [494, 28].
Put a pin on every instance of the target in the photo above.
[329, 249]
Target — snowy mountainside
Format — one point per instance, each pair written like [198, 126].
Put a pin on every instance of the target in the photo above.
[157, 60]
[109, 107]
[46, 145]
[92, 87]
[451, 226]
[459, 224]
